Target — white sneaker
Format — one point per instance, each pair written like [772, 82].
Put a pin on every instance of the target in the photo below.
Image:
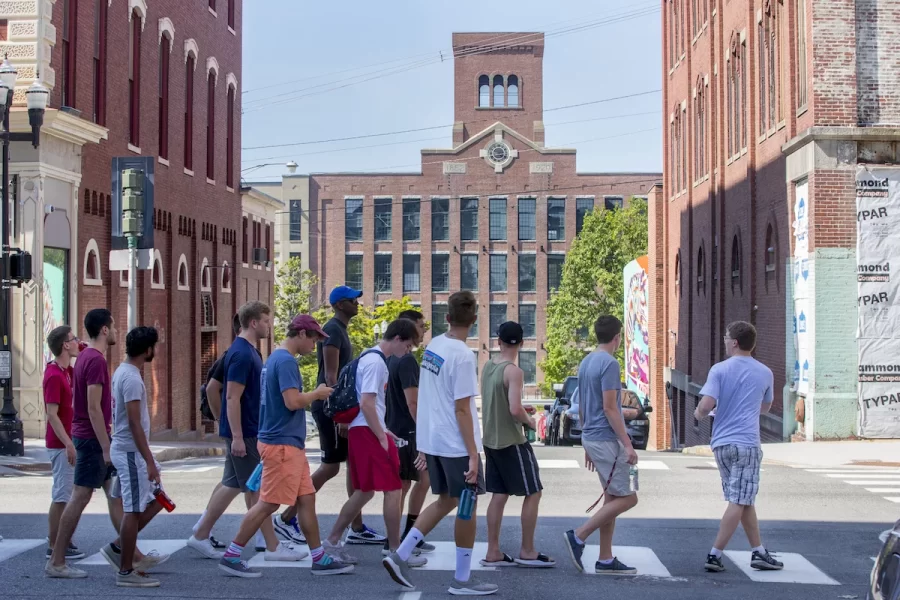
[339, 552]
[205, 548]
[416, 560]
[286, 553]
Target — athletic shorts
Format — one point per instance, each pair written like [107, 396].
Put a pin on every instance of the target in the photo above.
[610, 464]
[448, 475]
[238, 469]
[371, 468]
[739, 469]
[91, 471]
[134, 484]
[285, 475]
[334, 446]
[408, 455]
[63, 476]
[512, 471]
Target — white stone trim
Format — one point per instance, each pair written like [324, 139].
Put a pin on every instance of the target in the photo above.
[190, 47]
[225, 269]
[231, 80]
[163, 161]
[141, 7]
[203, 265]
[85, 280]
[157, 258]
[182, 261]
[166, 26]
[213, 64]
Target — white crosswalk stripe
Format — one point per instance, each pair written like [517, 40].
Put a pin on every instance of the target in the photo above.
[884, 481]
[652, 465]
[797, 568]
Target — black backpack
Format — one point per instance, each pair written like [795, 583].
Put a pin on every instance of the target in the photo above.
[342, 406]
[205, 410]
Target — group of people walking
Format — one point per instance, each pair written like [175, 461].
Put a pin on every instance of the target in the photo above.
[406, 428]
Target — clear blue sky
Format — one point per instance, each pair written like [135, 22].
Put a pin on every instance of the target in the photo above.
[324, 51]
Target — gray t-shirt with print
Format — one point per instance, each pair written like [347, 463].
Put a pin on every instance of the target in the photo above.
[127, 386]
[599, 372]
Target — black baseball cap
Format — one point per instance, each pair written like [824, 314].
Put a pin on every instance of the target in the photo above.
[510, 333]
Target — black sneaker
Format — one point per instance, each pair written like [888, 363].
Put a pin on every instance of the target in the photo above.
[764, 561]
[714, 563]
[72, 553]
[616, 567]
[575, 549]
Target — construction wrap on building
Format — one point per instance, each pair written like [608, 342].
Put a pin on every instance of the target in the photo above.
[877, 245]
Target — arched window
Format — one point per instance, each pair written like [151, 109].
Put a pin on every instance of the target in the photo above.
[157, 282]
[229, 140]
[165, 49]
[204, 276]
[678, 274]
[499, 92]
[512, 91]
[190, 66]
[701, 271]
[771, 250]
[134, 80]
[226, 277]
[183, 284]
[211, 125]
[735, 263]
[92, 264]
[484, 91]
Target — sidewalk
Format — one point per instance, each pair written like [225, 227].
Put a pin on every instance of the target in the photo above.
[824, 454]
[37, 459]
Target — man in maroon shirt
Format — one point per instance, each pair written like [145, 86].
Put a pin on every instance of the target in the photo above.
[92, 403]
[58, 406]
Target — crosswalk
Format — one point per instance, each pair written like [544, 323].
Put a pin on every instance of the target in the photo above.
[798, 569]
[882, 481]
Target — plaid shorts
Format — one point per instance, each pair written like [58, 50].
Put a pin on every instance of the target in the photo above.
[739, 469]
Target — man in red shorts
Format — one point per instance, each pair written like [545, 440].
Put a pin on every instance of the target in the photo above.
[373, 458]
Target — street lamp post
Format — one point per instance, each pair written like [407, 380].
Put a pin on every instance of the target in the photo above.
[15, 265]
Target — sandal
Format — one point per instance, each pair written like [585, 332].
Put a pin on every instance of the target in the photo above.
[506, 561]
[542, 561]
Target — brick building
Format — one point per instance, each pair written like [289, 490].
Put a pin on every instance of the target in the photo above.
[766, 102]
[156, 78]
[495, 212]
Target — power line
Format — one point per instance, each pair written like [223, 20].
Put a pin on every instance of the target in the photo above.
[267, 104]
[417, 140]
[387, 133]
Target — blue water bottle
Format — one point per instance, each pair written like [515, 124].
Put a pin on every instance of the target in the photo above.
[255, 479]
[466, 503]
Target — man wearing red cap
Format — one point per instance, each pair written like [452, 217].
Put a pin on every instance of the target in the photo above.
[282, 440]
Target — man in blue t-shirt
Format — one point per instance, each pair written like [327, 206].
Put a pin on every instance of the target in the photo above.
[239, 426]
[739, 389]
[282, 440]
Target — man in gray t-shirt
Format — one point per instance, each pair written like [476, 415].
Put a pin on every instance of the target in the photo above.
[739, 389]
[607, 447]
[130, 453]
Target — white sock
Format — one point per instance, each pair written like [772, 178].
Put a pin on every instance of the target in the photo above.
[716, 552]
[463, 563]
[578, 539]
[409, 543]
[607, 561]
[760, 549]
[197, 524]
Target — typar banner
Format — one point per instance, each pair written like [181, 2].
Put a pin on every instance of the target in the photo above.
[877, 263]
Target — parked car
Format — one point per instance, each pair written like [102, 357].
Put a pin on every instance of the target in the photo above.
[884, 583]
[564, 421]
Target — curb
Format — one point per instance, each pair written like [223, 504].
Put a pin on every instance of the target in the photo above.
[697, 451]
[181, 453]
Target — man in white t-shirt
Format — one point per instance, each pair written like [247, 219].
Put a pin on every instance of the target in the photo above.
[449, 435]
[372, 456]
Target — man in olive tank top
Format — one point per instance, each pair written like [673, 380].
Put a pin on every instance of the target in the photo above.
[510, 465]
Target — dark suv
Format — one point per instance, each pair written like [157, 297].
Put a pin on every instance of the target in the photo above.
[564, 421]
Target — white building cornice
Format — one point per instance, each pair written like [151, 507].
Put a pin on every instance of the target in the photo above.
[62, 125]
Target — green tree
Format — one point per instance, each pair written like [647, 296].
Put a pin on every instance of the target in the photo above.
[390, 311]
[293, 289]
[591, 286]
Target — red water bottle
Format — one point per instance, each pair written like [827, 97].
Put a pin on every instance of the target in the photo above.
[163, 499]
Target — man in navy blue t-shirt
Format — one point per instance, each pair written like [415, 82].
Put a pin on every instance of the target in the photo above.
[239, 425]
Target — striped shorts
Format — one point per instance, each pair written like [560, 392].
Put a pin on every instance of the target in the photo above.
[739, 469]
[134, 485]
[512, 471]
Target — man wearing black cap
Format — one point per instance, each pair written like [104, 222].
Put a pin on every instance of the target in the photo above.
[510, 465]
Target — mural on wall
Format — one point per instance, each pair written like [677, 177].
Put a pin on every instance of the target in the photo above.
[878, 334]
[637, 331]
[54, 292]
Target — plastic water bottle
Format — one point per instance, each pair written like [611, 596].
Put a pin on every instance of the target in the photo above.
[633, 478]
[163, 499]
[401, 443]
[255, 479]
[466, 503]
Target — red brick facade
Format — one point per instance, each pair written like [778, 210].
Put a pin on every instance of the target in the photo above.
[198, 209]
[527, 170]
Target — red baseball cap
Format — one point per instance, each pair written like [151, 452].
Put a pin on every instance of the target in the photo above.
[307, 323]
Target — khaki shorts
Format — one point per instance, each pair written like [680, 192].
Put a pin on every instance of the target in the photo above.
[609, 462]
[63, 475]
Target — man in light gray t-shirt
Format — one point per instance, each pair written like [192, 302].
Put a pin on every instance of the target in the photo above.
[127, 386]
[599, 372]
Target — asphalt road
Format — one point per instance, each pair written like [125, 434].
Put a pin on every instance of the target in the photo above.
[824, 529]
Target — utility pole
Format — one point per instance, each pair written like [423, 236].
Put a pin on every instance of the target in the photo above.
[132, 229]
